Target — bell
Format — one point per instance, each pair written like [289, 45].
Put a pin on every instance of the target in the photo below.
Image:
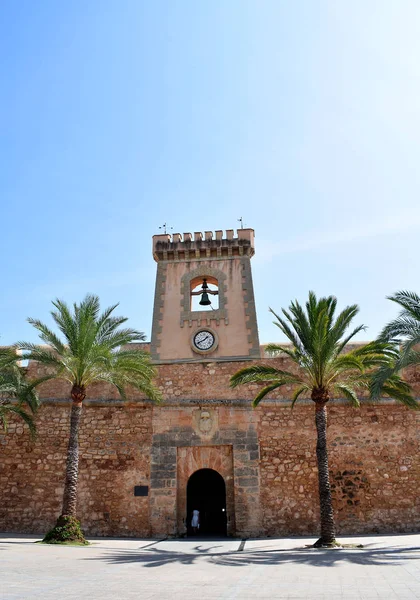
[205, 301]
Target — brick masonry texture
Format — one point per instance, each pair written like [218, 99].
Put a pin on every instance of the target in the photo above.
[114, 457]
[266, 456]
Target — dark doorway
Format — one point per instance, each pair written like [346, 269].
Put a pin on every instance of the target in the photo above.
[206, 492]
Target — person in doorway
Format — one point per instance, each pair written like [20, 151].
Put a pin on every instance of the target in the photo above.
[195, 521]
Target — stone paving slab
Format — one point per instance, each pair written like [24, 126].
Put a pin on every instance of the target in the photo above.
[387, 567]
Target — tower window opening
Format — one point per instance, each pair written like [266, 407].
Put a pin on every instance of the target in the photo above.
[204, 294]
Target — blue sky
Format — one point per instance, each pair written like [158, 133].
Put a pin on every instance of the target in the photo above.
[301, 117]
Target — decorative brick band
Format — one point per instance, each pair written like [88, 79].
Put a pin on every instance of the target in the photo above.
[202, 359]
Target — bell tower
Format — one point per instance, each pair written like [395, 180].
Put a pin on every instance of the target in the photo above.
[204, 306]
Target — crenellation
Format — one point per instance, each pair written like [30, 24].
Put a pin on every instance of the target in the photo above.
[175, 247]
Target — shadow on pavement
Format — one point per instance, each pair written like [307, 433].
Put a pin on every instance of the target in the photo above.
[154, 557]
[19, 542]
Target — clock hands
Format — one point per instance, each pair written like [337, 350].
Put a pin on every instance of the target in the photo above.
[204, 340]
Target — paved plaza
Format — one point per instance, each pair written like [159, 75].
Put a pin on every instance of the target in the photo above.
[387, 567]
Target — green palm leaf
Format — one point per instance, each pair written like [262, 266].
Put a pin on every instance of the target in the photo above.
[348, 393]
[405, 331]
[16, 393]
[16, 409]
[298, 392]
[277, 350]
[319, 341]
[90, 347]
[262, 393]
[260, 373]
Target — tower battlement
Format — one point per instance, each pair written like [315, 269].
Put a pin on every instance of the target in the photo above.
[210, 245]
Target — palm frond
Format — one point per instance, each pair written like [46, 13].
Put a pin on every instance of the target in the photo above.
[398, 389]
[261, 373]
[379, 379]
[9, 358]
[348, 393]
[122, 381]
[301, 325]
[122, 337]
[346, 340]
[410, 301]
[286, 329]
[339, 368]
[16, 393]
[319, 338]
[40, 354]
[407, 323]
[298, 393]
[65, 322]
[21, 413]
[347, 362]
[276, 350]
[386, 350]
[47, 335]
[403, 327]
[408, 358]
[108, 325]
[341, 325]
[91, 349]
[330, 342]
[262, 393]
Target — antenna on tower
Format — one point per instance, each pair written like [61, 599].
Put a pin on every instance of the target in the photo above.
[165, 227]
[241, 221]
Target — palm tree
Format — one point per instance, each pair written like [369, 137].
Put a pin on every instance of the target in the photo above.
[326, 370]
[404, 330]
[95, 349]
[16, 393]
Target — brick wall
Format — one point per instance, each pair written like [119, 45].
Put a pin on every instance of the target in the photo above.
[374, 459]
[114, 457]
[374, 469]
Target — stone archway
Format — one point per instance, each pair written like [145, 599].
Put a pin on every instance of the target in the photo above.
[206, 492]
[194, 458]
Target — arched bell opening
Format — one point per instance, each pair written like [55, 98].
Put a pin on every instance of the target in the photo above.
[204, 293]
[206, 492]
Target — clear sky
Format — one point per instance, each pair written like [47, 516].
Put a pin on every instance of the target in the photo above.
[302, 117]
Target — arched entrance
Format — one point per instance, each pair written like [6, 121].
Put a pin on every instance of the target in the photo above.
[206, 492]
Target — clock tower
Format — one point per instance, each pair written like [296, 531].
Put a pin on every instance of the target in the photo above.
[204, 306]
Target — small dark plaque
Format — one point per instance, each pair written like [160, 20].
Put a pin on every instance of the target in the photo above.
[141, 490]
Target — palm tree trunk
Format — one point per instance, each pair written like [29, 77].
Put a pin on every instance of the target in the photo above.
[72, 467]
[327, 514]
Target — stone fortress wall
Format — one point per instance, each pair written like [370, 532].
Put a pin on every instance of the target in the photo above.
[136, 458]
[266, 456]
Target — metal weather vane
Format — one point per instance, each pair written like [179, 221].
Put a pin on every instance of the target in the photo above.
[165, 227]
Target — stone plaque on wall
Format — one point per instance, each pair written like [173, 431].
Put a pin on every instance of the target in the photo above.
[205, 422]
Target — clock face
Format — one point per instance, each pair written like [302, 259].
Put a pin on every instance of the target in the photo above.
[204, 340]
